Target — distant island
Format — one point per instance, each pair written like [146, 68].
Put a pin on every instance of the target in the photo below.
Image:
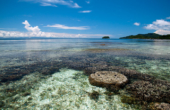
[106, 37]
[147, 36]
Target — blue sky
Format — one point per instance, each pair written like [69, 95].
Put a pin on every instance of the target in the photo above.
[83, 18]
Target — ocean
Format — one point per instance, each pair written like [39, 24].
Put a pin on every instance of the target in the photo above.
[49, 74]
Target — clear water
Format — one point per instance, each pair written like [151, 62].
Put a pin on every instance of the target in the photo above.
[70, 88]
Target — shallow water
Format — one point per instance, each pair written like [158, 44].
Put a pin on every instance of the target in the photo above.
[67, 89]
[70, 88]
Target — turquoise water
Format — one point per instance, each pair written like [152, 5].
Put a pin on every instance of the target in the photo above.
[23, 62]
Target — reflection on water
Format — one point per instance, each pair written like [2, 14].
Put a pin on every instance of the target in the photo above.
[50, 73]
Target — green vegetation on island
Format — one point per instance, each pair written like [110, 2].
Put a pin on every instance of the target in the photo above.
[147, 36]
[106, 37]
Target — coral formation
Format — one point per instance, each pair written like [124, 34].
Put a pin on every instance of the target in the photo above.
[150, 92]
[106, 78]
[160, 106]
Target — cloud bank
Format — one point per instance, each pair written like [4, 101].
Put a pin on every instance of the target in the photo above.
[161, 26]
[7, 34]
[36, 32]
[53, 3]
[59, 26]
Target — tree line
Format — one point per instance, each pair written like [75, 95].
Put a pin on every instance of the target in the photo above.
[147, 36]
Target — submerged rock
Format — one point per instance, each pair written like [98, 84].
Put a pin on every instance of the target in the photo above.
[107, 78]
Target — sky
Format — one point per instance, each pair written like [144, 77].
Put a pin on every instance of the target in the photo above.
[83, 18]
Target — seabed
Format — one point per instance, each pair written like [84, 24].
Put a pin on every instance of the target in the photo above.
[67, 89]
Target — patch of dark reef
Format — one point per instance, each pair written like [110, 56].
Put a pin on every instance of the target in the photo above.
[150, 92]
[134, 102]
[159, 106]
[17, 72]
[94, 95]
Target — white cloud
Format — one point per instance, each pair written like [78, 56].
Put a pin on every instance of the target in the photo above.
[29, 28]
[67, 27]
[76, 5]
[53, 3]
[162, 32]
[161, 26]
[88, 2]
[136, 23]
[48, 4]
[85, 11]
[168, 18]
[35, 32]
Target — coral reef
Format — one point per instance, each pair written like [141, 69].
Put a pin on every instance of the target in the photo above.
[160, 106]
[147, 91]
[17, 72]
[106, 78]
